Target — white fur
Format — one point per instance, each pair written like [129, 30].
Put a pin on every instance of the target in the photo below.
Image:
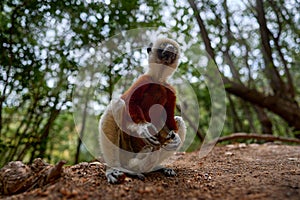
[160, 72]
[156, 69]
[153, 58]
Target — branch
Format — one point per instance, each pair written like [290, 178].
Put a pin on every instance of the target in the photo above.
[256, 136]
[203, 30]
[272, 73]
[286, 110]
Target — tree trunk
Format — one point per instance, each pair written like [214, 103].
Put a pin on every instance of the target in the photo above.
[285, 109]
[203, 30]
[266, 124]
[43, 140]
[237, 124]
[82, 129]
[271, 72]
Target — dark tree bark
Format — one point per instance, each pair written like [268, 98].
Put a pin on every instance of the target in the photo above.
[237, 124]
[203, 30]
[266, 124]
[278, 105]
[82, 129]
[271, 72]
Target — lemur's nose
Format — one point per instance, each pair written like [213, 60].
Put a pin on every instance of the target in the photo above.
[167, 53]
[169, 48]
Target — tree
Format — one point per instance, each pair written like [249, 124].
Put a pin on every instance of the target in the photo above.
[43, 45]
[270, 21]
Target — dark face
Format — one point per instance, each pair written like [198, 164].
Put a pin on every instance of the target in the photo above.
[166, 53]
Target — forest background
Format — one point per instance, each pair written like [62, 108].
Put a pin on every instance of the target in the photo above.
[45, 45]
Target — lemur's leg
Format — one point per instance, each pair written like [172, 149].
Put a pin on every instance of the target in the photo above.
[109, 139]
[171, 148]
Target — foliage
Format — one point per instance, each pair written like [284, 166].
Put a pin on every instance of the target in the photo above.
[45, 44]
[42, 48]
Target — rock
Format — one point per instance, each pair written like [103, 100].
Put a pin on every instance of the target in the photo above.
[13, 175]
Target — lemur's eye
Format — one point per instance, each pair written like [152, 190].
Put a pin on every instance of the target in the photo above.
[149, 48]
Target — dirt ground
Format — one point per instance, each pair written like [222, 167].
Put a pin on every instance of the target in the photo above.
[238, 171]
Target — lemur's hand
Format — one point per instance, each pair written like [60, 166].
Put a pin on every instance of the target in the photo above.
[146, 131]
[149, 133]
[174, 143]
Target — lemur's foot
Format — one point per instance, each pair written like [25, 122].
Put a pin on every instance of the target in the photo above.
[115, 176]
[167, 171]
[137, 175]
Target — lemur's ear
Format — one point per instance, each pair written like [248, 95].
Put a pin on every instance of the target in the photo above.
[149, 47]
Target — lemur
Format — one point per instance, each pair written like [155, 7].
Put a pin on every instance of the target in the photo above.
[139, 131]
